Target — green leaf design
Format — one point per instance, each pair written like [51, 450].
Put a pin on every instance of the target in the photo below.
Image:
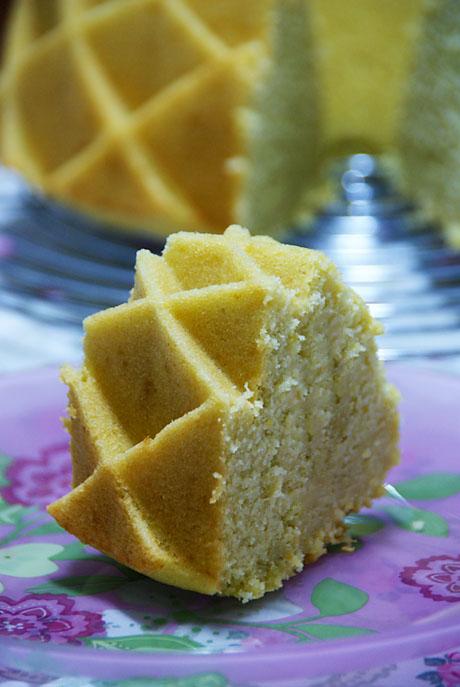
[360, 525]
[72, 552]
[420, 521]
[82, 585]
[28, 560]
[204, 680]
[321, 631]
[331, 597]
[200, 680]
[48, 528]
[435, 485]
[144, 643]
[4, 462]
[13, 513]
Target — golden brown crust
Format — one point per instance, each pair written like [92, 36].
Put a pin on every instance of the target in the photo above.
[147, 386]
[216, 321]
[99, 513]
[152, 507]
[95, 434]
[172, 480]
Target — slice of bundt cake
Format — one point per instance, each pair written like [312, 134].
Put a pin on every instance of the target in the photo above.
[227, 417]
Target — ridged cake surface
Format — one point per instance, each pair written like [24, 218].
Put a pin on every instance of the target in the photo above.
[227, 417]
[173, 114]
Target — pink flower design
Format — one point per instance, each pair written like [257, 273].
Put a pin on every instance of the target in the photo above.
[437, 577]
[16, 675]
[445, 670]
[47, 617]
[450, 671]
[38, 481]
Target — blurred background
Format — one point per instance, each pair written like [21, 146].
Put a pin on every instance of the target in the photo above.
[61, 261]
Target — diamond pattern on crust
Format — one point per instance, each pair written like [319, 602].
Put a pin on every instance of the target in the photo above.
[146, 410]
[95, 94]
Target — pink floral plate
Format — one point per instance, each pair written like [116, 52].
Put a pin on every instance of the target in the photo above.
[387, 614]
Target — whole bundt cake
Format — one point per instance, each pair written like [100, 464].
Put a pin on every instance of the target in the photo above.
[170, 114]
[228, 416]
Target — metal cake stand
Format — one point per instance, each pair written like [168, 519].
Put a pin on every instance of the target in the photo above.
[58, 266]
[396, 260]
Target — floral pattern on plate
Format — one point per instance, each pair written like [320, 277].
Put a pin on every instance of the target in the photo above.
[405, 569]
[45, 618]
[437, 577]
[39, 482]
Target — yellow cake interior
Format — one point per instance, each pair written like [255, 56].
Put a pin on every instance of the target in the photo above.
[228, 417]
